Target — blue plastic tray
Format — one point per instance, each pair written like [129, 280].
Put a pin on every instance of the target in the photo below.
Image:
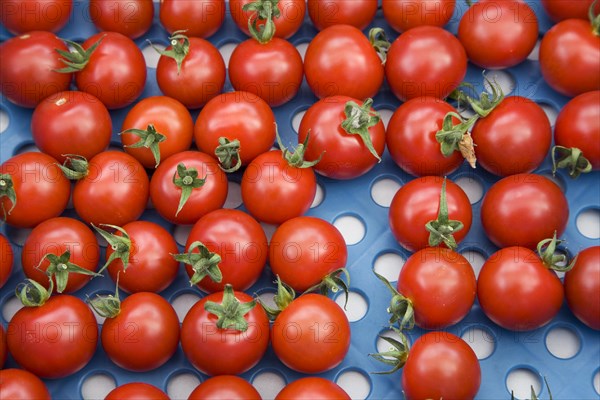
[569, 378]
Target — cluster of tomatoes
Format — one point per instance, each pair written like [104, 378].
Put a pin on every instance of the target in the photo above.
[341, 137]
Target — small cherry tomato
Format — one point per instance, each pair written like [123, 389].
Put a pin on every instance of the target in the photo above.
[228, 387]
[325, 13]
[582, 287]
[312, 388]
[186, 15]
[22, 16]
[18, 384]
[136, 391]
[6, 259]
[131, 18]
[290, 18]
[559, 10]
[403, 15]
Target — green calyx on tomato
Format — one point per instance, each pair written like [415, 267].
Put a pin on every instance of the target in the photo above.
[358, 121]
[188, 181]
[149, 138]
[395, 357]
[32, 294]
[228, 154]
[75, 167]
[570, 158]
[295, 158]
[333, 282]
[380, 43]
[262, 10]
[457, 137]
[180, 47]
[230, 313]
[594, 19]
[401, 308]
[60, 267]
[77, 59]
[121, 245]
[485, 104]
[556, 261]
[284, 296]
[203, 262]
[108, 306]
[442, 229]
[7, 190]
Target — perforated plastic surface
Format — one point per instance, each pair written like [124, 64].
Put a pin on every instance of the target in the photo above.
[569, 378]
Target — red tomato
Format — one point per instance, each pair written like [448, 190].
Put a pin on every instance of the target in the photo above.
[240, 242]
[417, 202]
[303, 250]
[55, 236]
[204, 197]
[179, 15]
[514, 138]
[115, 190]
[498, 33]
[403, 15]
[522, 210]
[6, 260]
[229, 387]
[582, 287]
[71, 123]
[200, 77]
[559, 10]
[18, 384]
[35, 179]
[136, 391]
[340, 60]
[311, 335]
[63, 332]
[312, 388]
[517, 291]
[226, 350]
[22, 16]
[165, 120]
[290, 19]
[273, 71]
[28, 68]
[570, 57]
[411, 141]
[344, 154]
[115, 72]
[3, 350]
[130, 18]
[325, 13]
[144, 335]
[150, 267]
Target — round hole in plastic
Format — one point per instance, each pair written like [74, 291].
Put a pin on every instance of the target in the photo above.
[386, 115]
[563, 342]
[520, 380]
[504, 79]
[97, 386]
[181, 233]
[180, 386]
[383, 191]
[297, 119]
[596, 382]
[357, 306]
[535, 52]
[226, 51]
[269, 230]
[267, 298]
[301, 47]
[355, 383]
[389, 265]
[151, 55]
[588, 223]
[4, 121]
[268, 384]
[352, 229]
[481, 341]
[383, 345]
[10, 307]
[472, 187]
[234, 195]
[475, 258]
[551, 112]
[319, 196]
[183, 303]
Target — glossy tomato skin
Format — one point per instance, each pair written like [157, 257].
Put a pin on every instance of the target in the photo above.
[273, 71]
[522, 210]
[6, 259]
[176, 15]
[425, 61]
[3, 347]
[341, 61]
[151, 267]
[216, 351]
[303, 250]
[225, 387]
[403, 15]
[43, 331]
[288, 23]
[36, 179]
[325, 13]
[136, 391]
[130, 18]
[165, 195]
[116, 71]
[22, 16]
[582, 287]
[514, 138]
[312, 388]
[55, 236]
[114, 192]
[28, 68]
[343, 155]
[441, 285]
[270, 182]
[169, 117]
[559, 10]
[578, 125]
[517, 291]
[570, 57]
[18, 384]
[426, 374]
[144, 335]
[201, 77]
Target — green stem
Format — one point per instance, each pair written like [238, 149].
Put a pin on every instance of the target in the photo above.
[401, 308]
[333, 282]
[180, 47]
[442, 229]
[228, 154]
[108, 306]
[75, 167]
[284, 296]
[187, 181]
[203, 262]
[77, 59]
[121, 245]
[553, 259]
[380, 43]
[594, 19]
[457, 137]
[398, 354]
[32, 294]
[149, 138]
[571, 159]
[7, 190]
[295, 158]
[230, 312]
[261, 22]
[61, 266]
[358, 121]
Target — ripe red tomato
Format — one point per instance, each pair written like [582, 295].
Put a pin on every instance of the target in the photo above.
[28, 180]
[28, 68]
[162, 126]
[130, 18]
[229, 387]
[6, 259]
[582, 287]
[199, 78]
[63, 332]
[517, 291]
[3, 350]
[150, 266]
[179, 15]
[343, 151]
[498, 33]
[522, 210]
[273, 71]
[18, 384]
[340, 60]
[204, 196]
[311, 335]
[403, 15]
[325, 13]
[559, 10]
[115, 190]
[303, 250]
[425, 61]
[144, 335]
[136, 391]
[55, 236]
[290, 19]
[312, 388]
[514, 138]
[71, 122]
[22, 16]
